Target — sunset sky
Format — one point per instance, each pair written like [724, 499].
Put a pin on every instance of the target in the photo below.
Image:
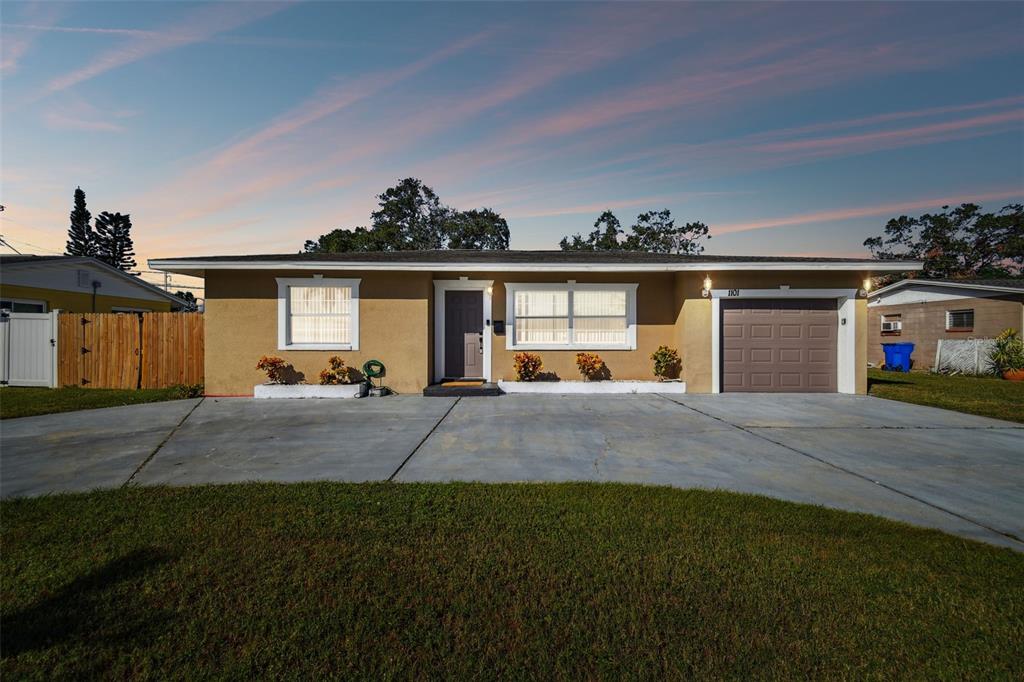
[250, 127]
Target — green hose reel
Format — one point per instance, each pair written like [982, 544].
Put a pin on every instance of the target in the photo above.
[373, 369]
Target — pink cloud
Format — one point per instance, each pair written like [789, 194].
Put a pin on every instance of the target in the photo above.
[197, 26]
[81, 115]
[835, 215]
[901, 136]
[14, 47]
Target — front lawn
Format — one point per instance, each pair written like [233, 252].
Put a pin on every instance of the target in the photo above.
[469, 580]
[20, 401]
[985, 396]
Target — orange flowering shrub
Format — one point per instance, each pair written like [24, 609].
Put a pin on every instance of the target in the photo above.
[274, 367]
[527, 365]
[337, 373]
[591, 365]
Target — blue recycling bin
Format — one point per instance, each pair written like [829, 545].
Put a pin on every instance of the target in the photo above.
[897, 356]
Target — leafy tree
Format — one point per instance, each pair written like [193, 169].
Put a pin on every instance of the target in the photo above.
[411, 213]
[653, 232]
[81, 238]
[958, 242]
[479, 229]
[188, 297]
[341, 240]
[114, 241]
[411, 216]
[656, 232]
[604, 237]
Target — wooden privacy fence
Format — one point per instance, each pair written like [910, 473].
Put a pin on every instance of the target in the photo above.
[130, 350]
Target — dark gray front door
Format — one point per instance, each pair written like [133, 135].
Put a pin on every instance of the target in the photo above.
[463, 334]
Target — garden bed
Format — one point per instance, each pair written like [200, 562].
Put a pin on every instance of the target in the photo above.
[592, 387]
[315, 391]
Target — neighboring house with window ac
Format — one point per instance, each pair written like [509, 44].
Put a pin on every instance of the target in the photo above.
[40, 284]
[739, 323]
[925, 311]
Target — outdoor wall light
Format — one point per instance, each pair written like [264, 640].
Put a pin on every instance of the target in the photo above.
[865, 287]
[490, 290]
[706, 291]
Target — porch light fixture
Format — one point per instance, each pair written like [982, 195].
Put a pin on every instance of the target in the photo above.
[865, 287]
[706, 291]
[490, 290]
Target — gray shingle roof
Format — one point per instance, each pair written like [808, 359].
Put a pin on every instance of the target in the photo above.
[540, 257]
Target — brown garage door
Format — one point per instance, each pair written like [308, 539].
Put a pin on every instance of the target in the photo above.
[779, 345]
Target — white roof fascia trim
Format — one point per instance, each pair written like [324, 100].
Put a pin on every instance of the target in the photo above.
[193, 266]
[955, 285]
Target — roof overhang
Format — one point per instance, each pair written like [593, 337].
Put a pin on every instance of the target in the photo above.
[950, 285]
[198, 268]
[101, 266]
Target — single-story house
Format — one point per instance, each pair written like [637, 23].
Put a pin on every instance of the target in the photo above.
[39, 284]
[924, 311]
[739, 323]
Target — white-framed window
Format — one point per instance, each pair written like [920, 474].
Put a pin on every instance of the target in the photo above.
[960, 320]
[123, 309]
[892, 323]
[570, 316]
[317, 313]
[22, 305]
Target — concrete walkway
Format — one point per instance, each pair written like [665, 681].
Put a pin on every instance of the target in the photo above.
[921, 465]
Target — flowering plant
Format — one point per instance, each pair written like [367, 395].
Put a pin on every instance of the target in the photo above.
[337, 373]
[591, 365]
[527, 365]
[274, 367]
[666, 363]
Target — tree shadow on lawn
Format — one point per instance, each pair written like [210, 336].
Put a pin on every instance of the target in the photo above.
[872, 381]
[90, 610]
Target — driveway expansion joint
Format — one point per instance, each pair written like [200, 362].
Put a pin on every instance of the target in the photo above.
[869, 479]
[171, 433]
[391, 478]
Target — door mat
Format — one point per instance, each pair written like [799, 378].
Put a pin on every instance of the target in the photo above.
[462, 383]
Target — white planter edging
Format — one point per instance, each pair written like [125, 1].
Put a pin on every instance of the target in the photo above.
[592, 387]
[265, 391]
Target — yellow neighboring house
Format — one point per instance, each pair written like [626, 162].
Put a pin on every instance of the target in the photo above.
[40, 284]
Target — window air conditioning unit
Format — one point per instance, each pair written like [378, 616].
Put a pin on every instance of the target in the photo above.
[892, 326]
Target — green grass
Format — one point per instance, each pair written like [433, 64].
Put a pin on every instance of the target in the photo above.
[985, 396]
[469, 580]
[18, 401]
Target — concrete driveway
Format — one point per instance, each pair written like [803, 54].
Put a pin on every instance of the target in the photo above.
[929, 467]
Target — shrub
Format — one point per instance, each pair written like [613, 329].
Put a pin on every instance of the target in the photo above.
[527, 365]
[274, 367]
[1008, 354]
[591, 366]
[666, 363]
[337, 373]
[182, 391]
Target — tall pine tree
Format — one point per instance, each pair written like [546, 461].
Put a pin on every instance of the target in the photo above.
[114, 240]
[81, 238]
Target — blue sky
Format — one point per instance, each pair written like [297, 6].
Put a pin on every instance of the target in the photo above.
[250, 127]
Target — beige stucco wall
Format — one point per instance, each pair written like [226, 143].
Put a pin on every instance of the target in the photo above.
[655, 316]
[693, 327]
[241, 326]
[396, 324]
[80, 302]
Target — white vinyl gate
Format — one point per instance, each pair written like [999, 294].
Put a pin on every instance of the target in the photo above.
[28, 349]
